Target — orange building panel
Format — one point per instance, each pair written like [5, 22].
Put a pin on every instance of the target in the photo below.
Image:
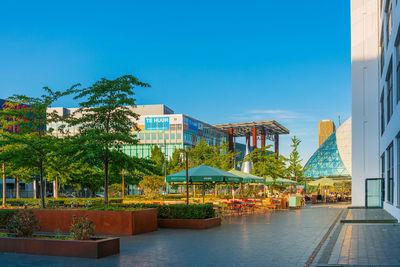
[325, 129]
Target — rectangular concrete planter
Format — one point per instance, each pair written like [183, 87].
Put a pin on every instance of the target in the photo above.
[55, 247]
[189, 223]
[107, 222]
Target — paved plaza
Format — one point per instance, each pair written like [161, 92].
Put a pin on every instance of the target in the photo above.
[276, 238]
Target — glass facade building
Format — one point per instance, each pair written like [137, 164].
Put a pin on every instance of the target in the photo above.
[333, 157]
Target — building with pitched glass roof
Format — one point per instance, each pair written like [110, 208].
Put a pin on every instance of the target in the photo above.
[333, 157]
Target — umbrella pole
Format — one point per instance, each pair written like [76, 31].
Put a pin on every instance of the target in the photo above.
[203, 192]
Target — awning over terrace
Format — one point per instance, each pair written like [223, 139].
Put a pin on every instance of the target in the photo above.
[204, 174]
[250, 178]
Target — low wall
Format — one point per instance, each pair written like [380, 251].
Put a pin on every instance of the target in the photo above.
[106, 222]
[66, 248]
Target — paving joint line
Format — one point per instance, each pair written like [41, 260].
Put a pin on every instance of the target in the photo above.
[324, 238]
[327, 252]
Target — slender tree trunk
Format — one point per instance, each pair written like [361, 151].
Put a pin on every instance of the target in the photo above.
[4, 185]
[17, 187]
[106, 182]
[42, 186]
[123, 183]
[55, 187]
[34, 188]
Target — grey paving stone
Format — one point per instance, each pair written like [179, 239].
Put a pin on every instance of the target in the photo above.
[277, 238]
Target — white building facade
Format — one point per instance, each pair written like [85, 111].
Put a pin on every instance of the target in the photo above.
[375, 59]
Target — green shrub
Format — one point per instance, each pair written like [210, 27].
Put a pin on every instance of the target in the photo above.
[23, 224]
[82, 229]
[176, 211]
[5, 216]
[62, 202]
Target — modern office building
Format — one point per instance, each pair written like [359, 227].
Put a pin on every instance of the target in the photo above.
[333, 157]
[159, 125]
[375, 59]
[325, 129]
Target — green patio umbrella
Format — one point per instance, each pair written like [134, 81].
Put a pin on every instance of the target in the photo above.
[285, 181]
[250, 178]
[324, 182]
[204, 174]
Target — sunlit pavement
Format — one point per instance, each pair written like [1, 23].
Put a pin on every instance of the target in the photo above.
[276, 238]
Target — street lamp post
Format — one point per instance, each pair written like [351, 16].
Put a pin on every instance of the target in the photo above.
[187, 178]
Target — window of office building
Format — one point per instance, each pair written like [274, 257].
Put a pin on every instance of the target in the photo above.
[154, 136]
[382, 51]
[389, 21]
[147, 136]
[172, 127]
[160, 136]
[179, 127]
[141, 136]
[172, 136]
[178, 136]
[397, 65]
[398, 168]
[390, 171]
[166, 136]
[382, 104]
[389, 97]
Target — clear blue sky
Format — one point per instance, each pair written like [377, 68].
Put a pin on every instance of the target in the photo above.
[218, 61]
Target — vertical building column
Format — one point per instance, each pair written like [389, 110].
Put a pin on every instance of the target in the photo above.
[276, 138]
[230, 140]
[262, 138]
[254, 137]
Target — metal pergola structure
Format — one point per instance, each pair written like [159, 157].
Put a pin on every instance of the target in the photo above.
[240, 129]
[269, 129]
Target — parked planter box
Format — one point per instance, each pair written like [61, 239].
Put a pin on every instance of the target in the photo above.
[189, 223]
[107, 222]
[55, 247]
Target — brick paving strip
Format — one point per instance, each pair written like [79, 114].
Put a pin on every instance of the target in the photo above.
[324, 238]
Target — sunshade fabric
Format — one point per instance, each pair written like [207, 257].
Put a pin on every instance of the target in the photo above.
[284, 181]
[250, 178]
[324, 182]
[204, 173]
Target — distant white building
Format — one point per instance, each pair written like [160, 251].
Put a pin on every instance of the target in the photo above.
[375, 60]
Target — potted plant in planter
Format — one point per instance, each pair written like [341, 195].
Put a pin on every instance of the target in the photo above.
[22, 239]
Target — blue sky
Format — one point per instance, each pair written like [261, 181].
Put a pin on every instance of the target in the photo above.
[218, 61]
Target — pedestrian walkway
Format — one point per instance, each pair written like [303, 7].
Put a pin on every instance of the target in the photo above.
[277, 238]
[367, 237]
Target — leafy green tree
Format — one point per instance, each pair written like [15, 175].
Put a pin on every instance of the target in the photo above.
[105, 120]
[295, 169]
[176, 162]
[266, 164]
[151, 185]
[158, 157]
[23, 126]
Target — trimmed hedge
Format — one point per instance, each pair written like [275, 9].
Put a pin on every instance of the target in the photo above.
[62, 202]
[5, 216]
[176, 211]
[159, 197]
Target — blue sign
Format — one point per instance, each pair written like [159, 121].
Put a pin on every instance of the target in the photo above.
[156, 123]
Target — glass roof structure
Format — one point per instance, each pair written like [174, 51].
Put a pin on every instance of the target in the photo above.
[326, 161]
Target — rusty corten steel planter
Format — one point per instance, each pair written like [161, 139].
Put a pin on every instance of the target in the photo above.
[54, 247]
[189, 223]
[106, 222]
